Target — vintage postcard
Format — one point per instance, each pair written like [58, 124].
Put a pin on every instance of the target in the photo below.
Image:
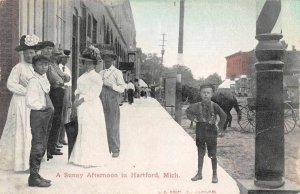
[149, 96]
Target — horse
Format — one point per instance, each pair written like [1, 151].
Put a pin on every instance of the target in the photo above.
[227, 101]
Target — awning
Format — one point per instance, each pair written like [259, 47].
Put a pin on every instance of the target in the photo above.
[142, 83]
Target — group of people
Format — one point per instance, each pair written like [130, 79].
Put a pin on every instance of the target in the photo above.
[41, 105]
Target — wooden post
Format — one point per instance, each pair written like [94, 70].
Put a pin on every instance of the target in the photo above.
[178, 107]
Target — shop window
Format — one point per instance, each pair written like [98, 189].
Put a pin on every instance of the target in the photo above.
[89, 25]
[94, 30]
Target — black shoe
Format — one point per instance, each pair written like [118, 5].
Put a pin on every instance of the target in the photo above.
[214, 178]
[55, 152]
[46, 180]
[37, 182]
[58, 146]
[49, 156]
[63, 142]
[57, 149]
[197, 177]
[115, 155]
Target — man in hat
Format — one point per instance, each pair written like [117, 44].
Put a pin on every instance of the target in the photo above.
[67, 104]
[57, 79]
[114, 84]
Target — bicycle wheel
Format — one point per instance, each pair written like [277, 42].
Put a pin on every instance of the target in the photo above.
[247, 122]
[290, 120]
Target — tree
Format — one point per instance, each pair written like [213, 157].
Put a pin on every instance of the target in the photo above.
[151, 68]
[214, 79]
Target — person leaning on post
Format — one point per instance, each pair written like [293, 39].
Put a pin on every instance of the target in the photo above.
[41, 114]
[204, 113]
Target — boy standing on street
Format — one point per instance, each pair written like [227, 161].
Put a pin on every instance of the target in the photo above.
[37, 99]
[204, 113]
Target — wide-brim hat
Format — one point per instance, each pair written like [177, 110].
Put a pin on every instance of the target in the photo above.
[110, 53]
[28, 42]
[45, 44]
[67, 52]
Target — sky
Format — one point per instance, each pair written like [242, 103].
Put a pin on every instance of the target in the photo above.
[213, 29]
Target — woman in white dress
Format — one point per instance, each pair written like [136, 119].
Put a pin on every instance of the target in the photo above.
[15, 142]
[90, 148]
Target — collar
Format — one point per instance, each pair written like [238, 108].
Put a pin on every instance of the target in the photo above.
[112, 67]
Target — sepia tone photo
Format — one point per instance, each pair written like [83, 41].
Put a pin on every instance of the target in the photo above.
[150, 96]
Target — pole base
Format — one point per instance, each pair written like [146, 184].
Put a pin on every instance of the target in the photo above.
[249, 187]
[269, 184]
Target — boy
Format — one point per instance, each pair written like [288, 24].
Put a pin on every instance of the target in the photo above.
[37, 99]
[204, 113]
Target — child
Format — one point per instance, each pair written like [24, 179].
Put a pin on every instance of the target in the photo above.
[204, 114]
[37, 99]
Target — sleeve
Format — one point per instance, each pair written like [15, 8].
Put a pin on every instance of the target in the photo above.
[191, 112]
[33, 100]
[221, 114]
[120, 85]
[13, 84]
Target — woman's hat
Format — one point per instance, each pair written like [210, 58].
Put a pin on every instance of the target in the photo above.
[90, 54]
[28, 42]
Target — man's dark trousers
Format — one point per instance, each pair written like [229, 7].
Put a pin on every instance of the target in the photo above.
[206, 136]
[40, 123]
[57, 98]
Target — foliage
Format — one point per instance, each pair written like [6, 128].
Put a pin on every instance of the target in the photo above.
[152, 70]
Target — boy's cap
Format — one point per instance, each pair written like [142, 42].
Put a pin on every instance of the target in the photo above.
[207, 85]
[37, 58]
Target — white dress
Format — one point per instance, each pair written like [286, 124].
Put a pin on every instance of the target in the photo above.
[91, 147]
[15, 143]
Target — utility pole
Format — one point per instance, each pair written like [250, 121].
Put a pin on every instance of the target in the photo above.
[178, 107]
[163, 47]
[161, 63]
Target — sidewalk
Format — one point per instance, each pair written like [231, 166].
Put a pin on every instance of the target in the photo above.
[157, 156]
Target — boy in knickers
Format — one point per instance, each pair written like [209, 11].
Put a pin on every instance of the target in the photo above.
[37, 99]
[204, 113]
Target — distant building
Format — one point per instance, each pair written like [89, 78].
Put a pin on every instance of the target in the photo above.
[242, 64]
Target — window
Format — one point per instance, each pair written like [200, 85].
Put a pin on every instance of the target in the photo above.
[89, 26]
[60, 23]
[83, 28]
[94, 30]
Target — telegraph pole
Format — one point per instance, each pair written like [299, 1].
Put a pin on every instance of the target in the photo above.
[163, 47]
[178, 107]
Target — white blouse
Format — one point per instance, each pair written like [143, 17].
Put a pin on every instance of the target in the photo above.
[19, 77]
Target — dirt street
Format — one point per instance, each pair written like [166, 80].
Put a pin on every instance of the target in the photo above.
[236, 151]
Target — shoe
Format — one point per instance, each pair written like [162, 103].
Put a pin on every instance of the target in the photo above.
[55, 152]
[46, 180]
[115, 155]
[63, 142]
[49, 156]
[57, 149]
[197, 177]
[37, 182]
[58, 146]
[214, 178]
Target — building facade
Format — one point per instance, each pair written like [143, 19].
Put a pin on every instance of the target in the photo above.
[70, 24]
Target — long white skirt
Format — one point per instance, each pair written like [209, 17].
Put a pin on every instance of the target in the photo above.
[91, 147]
[15, 143]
